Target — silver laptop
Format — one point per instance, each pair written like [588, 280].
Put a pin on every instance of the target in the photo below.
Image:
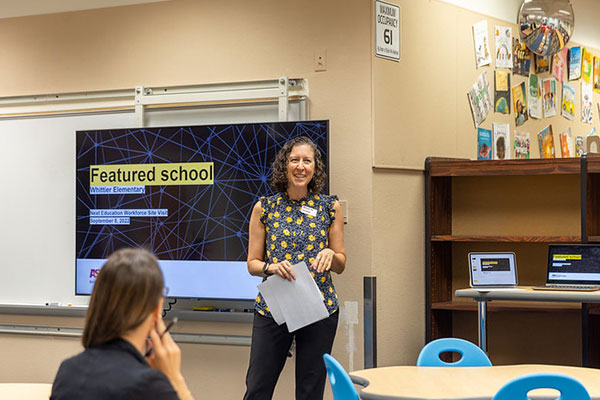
[492, 270]
[572, 267]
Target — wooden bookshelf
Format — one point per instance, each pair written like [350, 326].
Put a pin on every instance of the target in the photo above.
[508, 205]
[515, 239]
[447, 167]
[511, 306]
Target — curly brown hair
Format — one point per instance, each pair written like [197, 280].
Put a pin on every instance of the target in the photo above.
[279, 178]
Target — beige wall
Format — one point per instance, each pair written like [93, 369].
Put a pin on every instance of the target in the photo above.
[194, 42]
[383, 113]
[420, 109]
[420, 103]
[398, 254]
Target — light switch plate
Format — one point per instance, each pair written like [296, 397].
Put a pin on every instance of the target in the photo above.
[320, 61]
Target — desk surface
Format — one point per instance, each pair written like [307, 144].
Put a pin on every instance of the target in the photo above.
[460, 383]
[526, 293]
[25, 391]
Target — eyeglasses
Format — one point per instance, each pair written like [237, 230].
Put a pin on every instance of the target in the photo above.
[165, 291]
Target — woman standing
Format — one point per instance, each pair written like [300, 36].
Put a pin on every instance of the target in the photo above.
[296, 224]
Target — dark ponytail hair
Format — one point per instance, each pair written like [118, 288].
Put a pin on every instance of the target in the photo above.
[129, 286]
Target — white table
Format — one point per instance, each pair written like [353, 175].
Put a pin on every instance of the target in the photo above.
[460, 383]
[25, 391]
[526, 293]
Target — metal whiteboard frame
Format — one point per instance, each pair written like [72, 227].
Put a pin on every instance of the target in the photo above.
[55, 331]
[80, 311]
[281, 91]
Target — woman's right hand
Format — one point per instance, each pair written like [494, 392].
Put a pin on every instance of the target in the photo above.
[166, 357]
[283, 269]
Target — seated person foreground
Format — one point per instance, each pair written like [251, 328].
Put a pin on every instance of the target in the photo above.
[122, 322]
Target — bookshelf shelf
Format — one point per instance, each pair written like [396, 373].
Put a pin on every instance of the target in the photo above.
[462, 167]
[505, 306]
[515, 239]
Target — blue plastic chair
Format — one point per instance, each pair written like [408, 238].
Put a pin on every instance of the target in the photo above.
[341, 385]
[517, 389]
[471, 355]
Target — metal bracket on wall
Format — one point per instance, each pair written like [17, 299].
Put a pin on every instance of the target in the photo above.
[277, 91]
[283, 99]
[198, 338]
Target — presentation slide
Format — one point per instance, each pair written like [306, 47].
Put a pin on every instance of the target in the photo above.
[489, 269]
[184, 193]
[574, 263]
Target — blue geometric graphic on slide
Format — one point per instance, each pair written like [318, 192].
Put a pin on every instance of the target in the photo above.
[204, 222]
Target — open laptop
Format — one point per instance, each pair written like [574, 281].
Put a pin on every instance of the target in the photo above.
[572, 267]
[492, 271]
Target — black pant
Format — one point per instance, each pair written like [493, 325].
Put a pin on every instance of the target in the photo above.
[270, 346]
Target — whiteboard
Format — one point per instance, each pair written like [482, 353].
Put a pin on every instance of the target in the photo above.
[37, 198]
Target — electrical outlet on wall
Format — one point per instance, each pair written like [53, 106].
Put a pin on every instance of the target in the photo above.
[320, 60]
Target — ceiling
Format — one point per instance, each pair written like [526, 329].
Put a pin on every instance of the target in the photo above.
[21, 8]
[587, 30]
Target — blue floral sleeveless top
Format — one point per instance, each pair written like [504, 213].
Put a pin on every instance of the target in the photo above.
[296, 236]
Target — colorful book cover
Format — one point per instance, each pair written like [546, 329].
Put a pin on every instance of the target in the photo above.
[521, 145]
[480, 99]
[549, 94]
[546, 142]
[481, 41]
[579, 146]
[597, 74]
[541, 63]
[574, 63]
[484, 144]
[586, 103]
[568, 101]
[502, 91]
[534, 100]
[503, 36]
[587, 65]
[566, 143]
[501, 144]
[592, 142]
[559, 62]
[521, 58]
[520, 103]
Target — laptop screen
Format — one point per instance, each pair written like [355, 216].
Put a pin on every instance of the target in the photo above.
[493, 269]
[575, 263]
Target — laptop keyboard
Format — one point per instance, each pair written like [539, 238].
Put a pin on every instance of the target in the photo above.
[566, 286]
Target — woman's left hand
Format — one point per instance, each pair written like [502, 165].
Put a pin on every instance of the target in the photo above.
[323, 260]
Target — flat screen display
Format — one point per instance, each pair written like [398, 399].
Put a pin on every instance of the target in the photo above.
[574, 263]
[184, 193]
[493, 269]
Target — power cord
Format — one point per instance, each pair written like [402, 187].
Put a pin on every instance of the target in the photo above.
[171, 302]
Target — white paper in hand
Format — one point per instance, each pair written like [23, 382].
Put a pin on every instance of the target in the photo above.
[269, 293]
[297, 303]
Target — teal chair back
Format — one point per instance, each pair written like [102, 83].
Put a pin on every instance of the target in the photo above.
[341, 385]
[471, 355]
[517, 389]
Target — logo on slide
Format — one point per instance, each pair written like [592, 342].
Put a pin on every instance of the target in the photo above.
[94, 274]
